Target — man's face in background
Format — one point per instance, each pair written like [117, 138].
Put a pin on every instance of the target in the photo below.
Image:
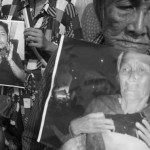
[3, 38]
[126, 24]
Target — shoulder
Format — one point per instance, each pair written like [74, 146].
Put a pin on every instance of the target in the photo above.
[104, 104]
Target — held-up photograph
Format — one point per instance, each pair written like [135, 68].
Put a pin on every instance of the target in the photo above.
[11, 53]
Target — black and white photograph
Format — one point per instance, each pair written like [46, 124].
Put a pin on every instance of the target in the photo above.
[74, 74]
[11, 53]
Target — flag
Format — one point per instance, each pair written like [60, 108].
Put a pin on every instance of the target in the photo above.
[13, 9]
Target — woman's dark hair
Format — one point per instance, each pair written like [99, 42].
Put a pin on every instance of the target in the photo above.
[5, 26]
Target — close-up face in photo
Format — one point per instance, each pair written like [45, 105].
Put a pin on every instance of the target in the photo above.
[134, 76]
[3, 38]
[126, 24]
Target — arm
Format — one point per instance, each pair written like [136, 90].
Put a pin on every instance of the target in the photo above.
[18, 72]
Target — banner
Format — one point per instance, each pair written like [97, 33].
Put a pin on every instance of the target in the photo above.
[82, 72]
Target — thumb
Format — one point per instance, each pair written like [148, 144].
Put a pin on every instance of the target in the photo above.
[11, 47]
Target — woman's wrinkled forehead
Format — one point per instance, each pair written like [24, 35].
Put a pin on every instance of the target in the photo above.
[135, 2]
[138, 57]
[132, 1]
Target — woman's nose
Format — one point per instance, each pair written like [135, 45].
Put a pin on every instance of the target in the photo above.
[137, 27]
[133, 75]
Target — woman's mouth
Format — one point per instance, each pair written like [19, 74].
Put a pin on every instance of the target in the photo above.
[133, 44]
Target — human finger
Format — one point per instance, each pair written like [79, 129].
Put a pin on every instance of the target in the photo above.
[143, 137]
[146, 123]
[34, 34]
[96, 115]
[33, 44]
[92, 125]
[97, 120]
[101, 121]
[31, 38]
[35, 41]
[32, 30]
[143, 129]
[143, 133]
[102, 124]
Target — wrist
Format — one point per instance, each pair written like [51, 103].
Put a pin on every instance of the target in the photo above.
[9, 59]
[74, 129]
[50, 46]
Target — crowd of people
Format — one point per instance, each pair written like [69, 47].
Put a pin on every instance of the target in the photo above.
[121, 32]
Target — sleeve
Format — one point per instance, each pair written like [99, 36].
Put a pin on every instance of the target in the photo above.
[71, 21]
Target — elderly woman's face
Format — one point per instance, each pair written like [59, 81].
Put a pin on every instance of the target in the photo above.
[126, 24]
[134, 75]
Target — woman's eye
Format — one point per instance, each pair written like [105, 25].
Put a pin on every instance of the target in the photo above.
[2, 34]
[141, 70]
[128, 7]
[125, 69]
